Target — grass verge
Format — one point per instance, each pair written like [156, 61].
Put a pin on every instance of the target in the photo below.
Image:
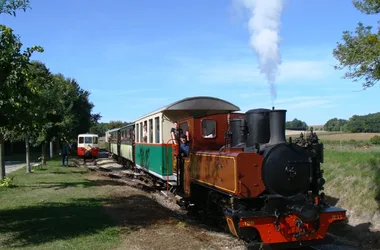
[56, 208]
[353, 177]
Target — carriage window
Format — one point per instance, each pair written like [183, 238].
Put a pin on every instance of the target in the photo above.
[209, 129]
[157, 122]
[141, 132]
[80, 139]
[150, 130]
[88, 140]
[95, 140]
[137, 133]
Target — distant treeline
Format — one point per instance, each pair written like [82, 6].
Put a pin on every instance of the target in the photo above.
[356, 124]
[101, 128]
[296, 125]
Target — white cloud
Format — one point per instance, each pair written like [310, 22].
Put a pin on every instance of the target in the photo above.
[301, 102]
[309, 101]
[247, 71]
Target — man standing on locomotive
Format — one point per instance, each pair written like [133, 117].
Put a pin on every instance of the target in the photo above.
[176, 132]
[184, 146]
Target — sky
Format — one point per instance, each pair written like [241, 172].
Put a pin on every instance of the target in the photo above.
[137, 56]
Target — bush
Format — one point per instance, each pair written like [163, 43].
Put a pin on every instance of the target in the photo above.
[375, 140]
[7, 182]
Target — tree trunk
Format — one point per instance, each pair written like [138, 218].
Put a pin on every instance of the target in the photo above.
[28, 169]
[43, 153]
[2, 157]
[51, 149]
[57, 144]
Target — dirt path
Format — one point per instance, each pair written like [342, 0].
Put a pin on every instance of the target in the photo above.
[148, 221]
[11, 166]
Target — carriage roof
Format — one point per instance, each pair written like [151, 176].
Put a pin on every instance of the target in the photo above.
[195, 107]
[131, 124]
[112, 130]
[87, 135]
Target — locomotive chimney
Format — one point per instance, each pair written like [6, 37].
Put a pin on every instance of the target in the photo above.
[277, 119]
[258, 126]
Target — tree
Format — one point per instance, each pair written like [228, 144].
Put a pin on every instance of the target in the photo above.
[296, 125]
[10, 6]
[360, 52]
[14, 84]
[334, 124]
[116, 124]
[43, 113]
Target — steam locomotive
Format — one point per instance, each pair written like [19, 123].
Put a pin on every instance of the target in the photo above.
[240, 169]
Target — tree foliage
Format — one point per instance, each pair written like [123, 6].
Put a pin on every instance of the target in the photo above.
[16, 91]
[359, 51]
[10, 6]
[101, 128]
[335, 124]
[369, 123]
[296, 125]
[36, 106]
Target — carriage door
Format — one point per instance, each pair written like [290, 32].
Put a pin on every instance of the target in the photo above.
[118, 142]
[179, 169]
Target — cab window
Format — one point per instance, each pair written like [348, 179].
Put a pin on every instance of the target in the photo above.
[184, 126]
[88, 140]
[81, 139]
[208, 128]
[95, 140]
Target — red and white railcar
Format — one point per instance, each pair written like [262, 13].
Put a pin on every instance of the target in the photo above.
[88, 146]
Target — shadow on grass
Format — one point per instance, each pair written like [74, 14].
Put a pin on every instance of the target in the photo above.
[82, 184]
[48, 222]
[360, 234]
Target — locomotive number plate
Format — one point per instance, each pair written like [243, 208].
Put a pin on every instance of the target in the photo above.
[248, 223]
[337, 217]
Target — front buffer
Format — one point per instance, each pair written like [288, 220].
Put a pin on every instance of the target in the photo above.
[285, 232]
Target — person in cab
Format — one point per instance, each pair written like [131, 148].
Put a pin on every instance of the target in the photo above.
[184, 146]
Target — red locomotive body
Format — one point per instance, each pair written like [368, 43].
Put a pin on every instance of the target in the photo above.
[88, 146]
[241, 168]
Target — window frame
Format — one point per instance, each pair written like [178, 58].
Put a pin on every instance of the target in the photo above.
[157, 129]
[215, 128]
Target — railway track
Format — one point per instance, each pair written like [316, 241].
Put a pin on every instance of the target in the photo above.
[109, 167]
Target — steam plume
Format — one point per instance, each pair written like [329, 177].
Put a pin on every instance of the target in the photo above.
[264, 26]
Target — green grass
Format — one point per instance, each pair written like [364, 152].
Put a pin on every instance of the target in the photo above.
[354, 178]
[56, 208]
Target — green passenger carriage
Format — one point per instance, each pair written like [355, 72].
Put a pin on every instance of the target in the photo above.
[146, 143]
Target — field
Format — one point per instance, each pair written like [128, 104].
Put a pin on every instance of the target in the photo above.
[71, 208]
[336, 137]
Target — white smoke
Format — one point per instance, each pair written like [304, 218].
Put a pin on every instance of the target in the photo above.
[264, 26]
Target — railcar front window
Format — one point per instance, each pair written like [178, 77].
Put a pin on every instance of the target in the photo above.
[88, 140]
[80, 140]
[95, 140]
